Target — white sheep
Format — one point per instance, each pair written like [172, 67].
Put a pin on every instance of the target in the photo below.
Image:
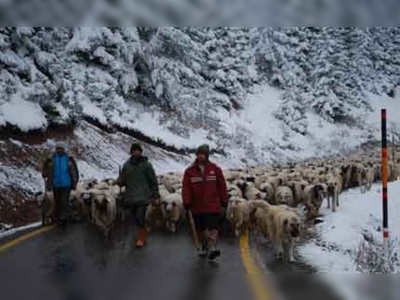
[171, 182]
[250, 192]
[47, 205]
[238, 215]
[102, 186]
[103, 210]
[232, 175]
[234, 191]
[333, 190]
[284, 195]
[162, 190]
[76, 203]
[268, 188]
[313, 198]
[173, 211]
[279, 180]
[365, 177]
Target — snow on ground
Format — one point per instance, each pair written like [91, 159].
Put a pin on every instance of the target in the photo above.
[15, 142]
[91, 110]
[272, 140]
[259, 114]
[22, 114]
[150, 125]
[26, 179]
[11, 231]
[91, 171]
[149, 121]
[103, 154]
[271, 135]
[339, 235]
[254, 133]
[392, 106]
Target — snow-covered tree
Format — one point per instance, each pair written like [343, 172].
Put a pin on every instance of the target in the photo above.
[196, 77]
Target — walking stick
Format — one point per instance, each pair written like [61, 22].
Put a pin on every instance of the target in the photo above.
[44, 202]
[194, 232]
[119, 204]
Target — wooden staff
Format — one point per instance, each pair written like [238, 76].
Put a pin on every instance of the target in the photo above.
[194, 231]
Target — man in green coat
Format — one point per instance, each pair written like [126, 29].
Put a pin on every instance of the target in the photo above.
[140, 180]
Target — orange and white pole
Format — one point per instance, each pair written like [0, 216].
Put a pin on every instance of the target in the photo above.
[385, 185]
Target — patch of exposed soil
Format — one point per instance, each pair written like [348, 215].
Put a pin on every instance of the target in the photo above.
[20, 211]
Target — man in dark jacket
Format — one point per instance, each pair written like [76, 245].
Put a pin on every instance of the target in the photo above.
[140, 180]
[61, 175]
[204, 192]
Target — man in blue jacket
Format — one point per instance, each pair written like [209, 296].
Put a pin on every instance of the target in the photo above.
[61, 174]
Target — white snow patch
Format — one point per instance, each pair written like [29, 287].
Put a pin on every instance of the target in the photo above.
[15, 142]
[150, 125]
[343, 230]
[88, 171]
[62, 111]
[258, 114]
[26, 179]
[91, 110]
[392, 106]
[23, 114]
[272, 139]
[162, 166]
[12, 231]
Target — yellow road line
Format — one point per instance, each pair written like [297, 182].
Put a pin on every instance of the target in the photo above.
[256, 277]
[24, 237]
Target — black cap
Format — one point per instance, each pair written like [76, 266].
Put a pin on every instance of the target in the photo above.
[136, 146]
[205, 149]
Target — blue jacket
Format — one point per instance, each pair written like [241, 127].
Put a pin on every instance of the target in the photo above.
[60, 170]
[61, 174]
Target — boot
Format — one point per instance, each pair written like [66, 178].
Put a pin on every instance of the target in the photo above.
[142, 238]
[203, 252]
[212, 242]
[213, 253]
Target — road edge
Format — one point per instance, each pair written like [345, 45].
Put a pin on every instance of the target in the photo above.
[24, 237]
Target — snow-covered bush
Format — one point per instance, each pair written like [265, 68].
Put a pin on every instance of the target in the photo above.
[370, 258]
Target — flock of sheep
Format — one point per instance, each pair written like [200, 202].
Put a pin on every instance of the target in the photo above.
[264, 200]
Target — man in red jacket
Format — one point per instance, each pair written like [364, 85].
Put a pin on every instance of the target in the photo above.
[204, 192]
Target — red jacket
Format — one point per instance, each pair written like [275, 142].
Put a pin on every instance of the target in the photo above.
[205, 192]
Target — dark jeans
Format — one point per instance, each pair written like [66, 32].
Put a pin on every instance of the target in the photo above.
[139, 214]
[61, 204]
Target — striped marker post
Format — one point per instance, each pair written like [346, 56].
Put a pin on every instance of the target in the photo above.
[385, 186]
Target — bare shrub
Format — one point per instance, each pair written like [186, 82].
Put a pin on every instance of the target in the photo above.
[370, 258]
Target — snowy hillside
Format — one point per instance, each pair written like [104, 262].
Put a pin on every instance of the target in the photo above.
[185, 85]
[256, 95]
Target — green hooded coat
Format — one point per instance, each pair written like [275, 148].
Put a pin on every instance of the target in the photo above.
[140, 180]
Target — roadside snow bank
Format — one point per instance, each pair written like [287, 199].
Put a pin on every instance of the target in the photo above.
[339, 236]
[12, 231]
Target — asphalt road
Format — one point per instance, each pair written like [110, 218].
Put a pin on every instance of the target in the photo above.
[76, 263]
[296, 280]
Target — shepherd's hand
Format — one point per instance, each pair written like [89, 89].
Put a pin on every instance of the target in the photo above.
[187, 206]
[155, 200]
